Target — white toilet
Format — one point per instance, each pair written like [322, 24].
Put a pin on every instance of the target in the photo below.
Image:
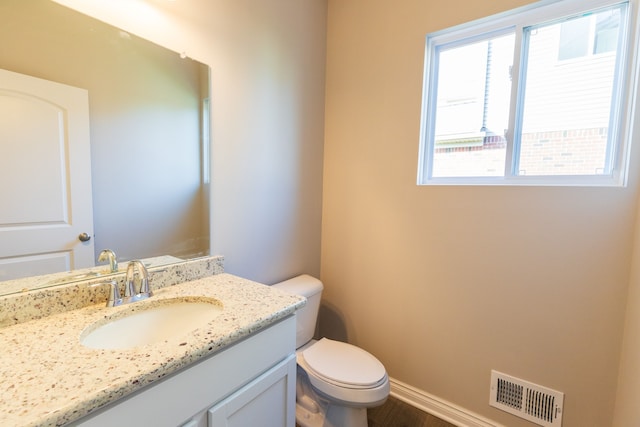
[336, 381]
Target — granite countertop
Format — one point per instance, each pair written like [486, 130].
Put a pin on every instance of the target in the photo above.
[50, 379]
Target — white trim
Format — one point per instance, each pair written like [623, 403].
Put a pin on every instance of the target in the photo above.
[542, 10]
[440, 408]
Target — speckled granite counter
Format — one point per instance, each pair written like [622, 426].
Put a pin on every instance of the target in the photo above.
[49, 378]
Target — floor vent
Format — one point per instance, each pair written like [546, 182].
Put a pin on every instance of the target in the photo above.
[532, 402]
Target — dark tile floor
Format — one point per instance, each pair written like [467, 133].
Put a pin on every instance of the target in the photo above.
[396, 413]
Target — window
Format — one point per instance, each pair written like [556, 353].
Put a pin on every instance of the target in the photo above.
[595, 33]
[540, 95]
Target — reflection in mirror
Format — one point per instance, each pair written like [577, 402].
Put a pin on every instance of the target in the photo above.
[148, 117]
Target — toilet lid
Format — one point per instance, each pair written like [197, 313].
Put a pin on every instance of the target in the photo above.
[344, 363]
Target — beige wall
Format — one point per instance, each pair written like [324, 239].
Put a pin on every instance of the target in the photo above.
[627, 410]
[267, 70]
[444, 284]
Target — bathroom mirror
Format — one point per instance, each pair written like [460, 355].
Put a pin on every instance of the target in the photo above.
[148, 126]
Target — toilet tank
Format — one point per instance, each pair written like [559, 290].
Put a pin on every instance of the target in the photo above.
[306, 317]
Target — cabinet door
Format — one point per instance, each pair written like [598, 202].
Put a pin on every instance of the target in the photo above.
[267, 401]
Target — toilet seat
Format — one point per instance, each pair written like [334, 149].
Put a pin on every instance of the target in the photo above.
[344, 364]
[345, 372]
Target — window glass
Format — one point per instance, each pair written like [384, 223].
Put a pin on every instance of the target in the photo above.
[574, 38]
[474, 88]
[607, 31]
[567, 104]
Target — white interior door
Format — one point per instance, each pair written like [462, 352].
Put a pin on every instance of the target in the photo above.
[45, 177]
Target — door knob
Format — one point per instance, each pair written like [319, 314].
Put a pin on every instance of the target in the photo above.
[84, 237]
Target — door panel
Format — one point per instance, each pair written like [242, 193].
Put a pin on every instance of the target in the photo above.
[268, 401]
[45, 170]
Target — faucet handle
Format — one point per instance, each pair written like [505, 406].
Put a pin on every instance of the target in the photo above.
[129, 286]
[144, 279]
[114, 293]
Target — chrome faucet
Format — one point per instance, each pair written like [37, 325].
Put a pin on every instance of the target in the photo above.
[131, 294]
[109, 255]
[114, 295]
[114, 298]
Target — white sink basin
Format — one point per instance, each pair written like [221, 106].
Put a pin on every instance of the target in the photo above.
[150, 322]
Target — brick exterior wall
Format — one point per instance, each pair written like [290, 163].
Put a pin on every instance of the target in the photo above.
[568, 152]
[565, 152]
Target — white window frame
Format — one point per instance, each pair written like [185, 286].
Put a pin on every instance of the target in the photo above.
[518, 19]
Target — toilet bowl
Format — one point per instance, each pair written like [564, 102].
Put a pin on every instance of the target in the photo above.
[336, 381]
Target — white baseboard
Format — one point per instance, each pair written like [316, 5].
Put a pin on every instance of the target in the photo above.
[435, 406]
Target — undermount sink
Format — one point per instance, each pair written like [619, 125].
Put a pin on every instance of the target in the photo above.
[150, 322]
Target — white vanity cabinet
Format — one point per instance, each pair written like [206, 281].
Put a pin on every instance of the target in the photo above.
[250, 383]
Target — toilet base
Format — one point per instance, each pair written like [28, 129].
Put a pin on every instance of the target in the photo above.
[306, 418]
[315, 410]
[344, 416]
[336, 416]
